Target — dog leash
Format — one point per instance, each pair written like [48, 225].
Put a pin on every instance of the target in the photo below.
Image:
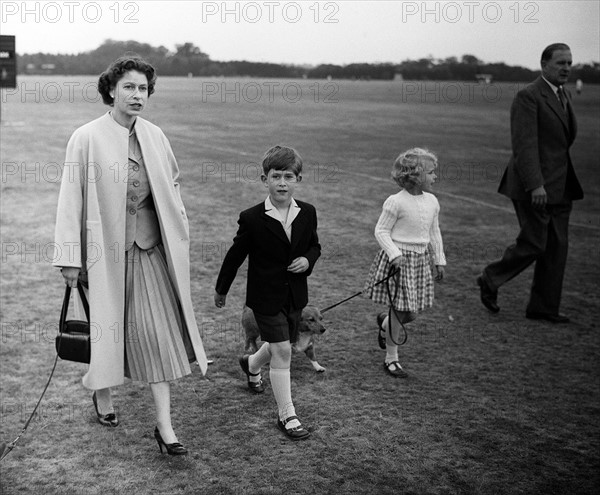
[392, 273]
[391, 299]
[12, 444]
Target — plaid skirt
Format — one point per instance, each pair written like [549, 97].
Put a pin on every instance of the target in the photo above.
[410, 290]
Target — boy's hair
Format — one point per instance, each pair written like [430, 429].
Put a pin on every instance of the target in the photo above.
[282, 158]
[115, 71]
[409, 165]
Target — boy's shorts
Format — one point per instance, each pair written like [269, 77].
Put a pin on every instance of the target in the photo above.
[280, 327]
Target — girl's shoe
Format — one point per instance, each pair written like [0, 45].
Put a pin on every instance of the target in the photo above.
[395, 369]
[105, 419]
[171, 448]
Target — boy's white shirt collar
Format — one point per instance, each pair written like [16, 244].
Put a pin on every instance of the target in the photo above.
[271, 211]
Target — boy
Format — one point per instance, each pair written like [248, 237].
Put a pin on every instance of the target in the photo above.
[280, 237]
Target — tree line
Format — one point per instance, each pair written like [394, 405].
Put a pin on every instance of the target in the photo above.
[189, 59]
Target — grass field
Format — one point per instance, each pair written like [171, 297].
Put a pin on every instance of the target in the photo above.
[493, 404]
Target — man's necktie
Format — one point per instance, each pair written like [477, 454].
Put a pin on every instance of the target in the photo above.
[562, 98]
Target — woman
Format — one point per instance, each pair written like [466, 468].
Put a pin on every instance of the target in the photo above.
[122, 228]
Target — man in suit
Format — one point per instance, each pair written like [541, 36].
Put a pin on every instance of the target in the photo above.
[279, 236]
[542, 184]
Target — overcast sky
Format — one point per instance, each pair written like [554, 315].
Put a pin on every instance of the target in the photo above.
[311, 32]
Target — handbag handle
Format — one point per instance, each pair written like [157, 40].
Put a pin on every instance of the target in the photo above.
[65, 306]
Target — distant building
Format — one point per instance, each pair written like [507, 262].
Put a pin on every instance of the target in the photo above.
[484, 78]
[8, 62]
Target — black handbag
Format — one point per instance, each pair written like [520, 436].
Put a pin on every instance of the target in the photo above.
[73, 339]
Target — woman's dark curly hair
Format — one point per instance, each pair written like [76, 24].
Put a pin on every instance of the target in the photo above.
[115, 71]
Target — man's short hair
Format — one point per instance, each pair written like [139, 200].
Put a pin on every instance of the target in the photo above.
[550, 49]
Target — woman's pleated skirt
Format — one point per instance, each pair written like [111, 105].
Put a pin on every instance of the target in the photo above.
[410, 290]
[157, 345]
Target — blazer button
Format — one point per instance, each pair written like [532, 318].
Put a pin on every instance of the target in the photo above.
[132, 211]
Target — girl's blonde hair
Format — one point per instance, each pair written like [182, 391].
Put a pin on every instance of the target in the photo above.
[409, 165]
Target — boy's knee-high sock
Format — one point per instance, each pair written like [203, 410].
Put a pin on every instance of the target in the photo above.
[282, 390]
[261, 357]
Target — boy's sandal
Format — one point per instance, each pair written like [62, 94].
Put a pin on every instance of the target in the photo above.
[296, 433]
[395, 369]
[255, 387]
[381, 335]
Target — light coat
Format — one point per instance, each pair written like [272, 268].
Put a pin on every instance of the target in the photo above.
[99, 151]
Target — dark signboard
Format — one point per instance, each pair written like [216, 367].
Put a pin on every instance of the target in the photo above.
[8, 62]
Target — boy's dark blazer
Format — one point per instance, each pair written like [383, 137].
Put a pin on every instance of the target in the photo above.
[269, 252]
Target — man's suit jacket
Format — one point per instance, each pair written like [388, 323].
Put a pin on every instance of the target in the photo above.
[541, 134]
[269, 252]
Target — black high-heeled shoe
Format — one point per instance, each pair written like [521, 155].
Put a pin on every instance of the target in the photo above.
[109, 419]
[171, 448]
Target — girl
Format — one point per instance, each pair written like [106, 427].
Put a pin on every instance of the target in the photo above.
[407, 225]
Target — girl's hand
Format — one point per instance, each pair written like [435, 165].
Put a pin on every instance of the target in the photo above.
[70, 274]
[399, 262]
[440, 272]
[299, 265]
[220, 300]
